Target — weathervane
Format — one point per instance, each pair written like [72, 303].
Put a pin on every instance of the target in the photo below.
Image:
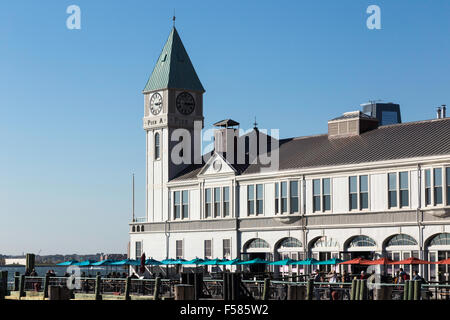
[173, 18]
[255, 124]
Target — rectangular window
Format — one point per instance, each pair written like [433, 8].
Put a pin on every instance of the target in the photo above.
[326, 198]
[179, 249]
[404, 191]
[316, 195]
[447, 174]
[208, 203]
[427, 187]
[177, 205]
[138, 249]
[277, 197]
[437, 186]
[226, 201]
[259, 199]
[216, 202]
[251, 200]
[294, 196]
[364, 192]
[208, 248]
[185, 201]
[284, 197]
[392, 190]
[353, 193]
[226, 248]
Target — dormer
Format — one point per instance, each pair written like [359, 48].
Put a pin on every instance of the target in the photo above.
[351, 123]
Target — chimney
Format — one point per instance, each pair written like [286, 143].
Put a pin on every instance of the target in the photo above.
[444, 111]
[438, 112]
[351, 123]
[224, 138]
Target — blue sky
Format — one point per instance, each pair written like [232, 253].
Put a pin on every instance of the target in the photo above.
[71, 104]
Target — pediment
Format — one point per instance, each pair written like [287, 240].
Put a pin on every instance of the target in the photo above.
[217, 166]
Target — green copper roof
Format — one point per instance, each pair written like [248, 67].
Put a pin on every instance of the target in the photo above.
[174, 69]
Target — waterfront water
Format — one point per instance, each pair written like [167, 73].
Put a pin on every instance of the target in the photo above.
[60, 271]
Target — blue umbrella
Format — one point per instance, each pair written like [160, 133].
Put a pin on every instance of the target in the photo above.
[330, 261]
[126, 262]
[193, 261]
[179, 261]
[255, 261]
[168, 261]
[211, 262]
[152, 262]
[230, 262]
[85, 263]
[67, 263]
[106, 262]
[284, 262]
[308, 262]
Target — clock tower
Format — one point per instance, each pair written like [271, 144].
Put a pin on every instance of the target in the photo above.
[173, 108]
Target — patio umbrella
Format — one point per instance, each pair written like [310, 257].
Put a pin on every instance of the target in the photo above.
[446, 261]
[85, 263]
[284, 262]
[413, 260]
[308, 262]
[142, 266]
[211, 262]
[152, 262]
[67, 263]
[106, 262]
[381, 261]
[126, 262]
[195, 261]
[179, 261]
[255, 261]
[330, 261]
[355, 261]
[168, 261]
[230, 262]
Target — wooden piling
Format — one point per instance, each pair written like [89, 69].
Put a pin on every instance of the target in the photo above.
[405, 290]
[353, 290]
[357, 290]
[3, 284]
[16, 281]
[266, 291]
[157, 288]
[309, 289]
[46, 284]
[411, 290]
[22, 286]
[363, 290]
[184, 292]
[98, 283]
[417, 289]
[127, 288]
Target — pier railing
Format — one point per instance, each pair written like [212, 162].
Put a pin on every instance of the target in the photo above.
[216, 288]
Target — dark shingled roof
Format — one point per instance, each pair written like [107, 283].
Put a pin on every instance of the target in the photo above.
[391, 142]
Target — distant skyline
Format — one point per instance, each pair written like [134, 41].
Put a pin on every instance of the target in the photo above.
[71, 102]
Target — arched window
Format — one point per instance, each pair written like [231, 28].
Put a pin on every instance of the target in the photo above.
[402, 240]
[362, 241]
[442, 239]
[142, 228]
[325, 242]
[133, 229]
[257, 243]
[157, 146]
[138, 229]
[290, 243]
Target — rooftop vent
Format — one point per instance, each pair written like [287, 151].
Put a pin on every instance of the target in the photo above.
[351, 124]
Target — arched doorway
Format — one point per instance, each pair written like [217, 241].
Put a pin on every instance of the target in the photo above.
[256, 248]
[438, 248]
[359, 246]
[400, 247]
[324, 248]
[289, 248]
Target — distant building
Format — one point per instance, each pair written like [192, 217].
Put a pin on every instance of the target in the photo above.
[386, 113]
[18, 261]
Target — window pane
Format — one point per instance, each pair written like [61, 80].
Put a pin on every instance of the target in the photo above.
[353, 201]
[294, 188]
[185, 211]
[185, 197]
[316, 203]
[363, 184]
[251, 192]
[326, 186]
[364, 200]
[316, 187]
[403, 180]
[404, 198]
[448, 185]
[284, 189]
[326, 202]
[392, 181]
[177, 197]
[294, 196]
[437, 177]
[392, 199]
[259, 191]
[226, 194]
[353, 184]
[208, 195]
[427, 178]
[277, 191]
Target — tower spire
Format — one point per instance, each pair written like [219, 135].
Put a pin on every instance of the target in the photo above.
[173, 18]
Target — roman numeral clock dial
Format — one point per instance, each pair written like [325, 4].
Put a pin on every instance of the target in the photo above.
[156, 104]
[185, 103]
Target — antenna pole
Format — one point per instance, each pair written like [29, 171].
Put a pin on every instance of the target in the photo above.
[132, 197]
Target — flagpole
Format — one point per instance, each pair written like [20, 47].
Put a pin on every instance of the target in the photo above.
[133, 197]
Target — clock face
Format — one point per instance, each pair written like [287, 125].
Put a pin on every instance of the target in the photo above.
[185, 103]
[156, 103]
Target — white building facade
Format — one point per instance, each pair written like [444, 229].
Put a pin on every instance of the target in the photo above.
[359, 190]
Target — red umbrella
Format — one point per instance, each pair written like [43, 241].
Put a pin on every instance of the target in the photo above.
[413, 260]
[142, 267]
[378, 261]
[355, 261]
[446, 261]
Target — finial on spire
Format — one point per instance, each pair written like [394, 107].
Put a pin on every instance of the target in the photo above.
[173, 18]
[255, 124]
